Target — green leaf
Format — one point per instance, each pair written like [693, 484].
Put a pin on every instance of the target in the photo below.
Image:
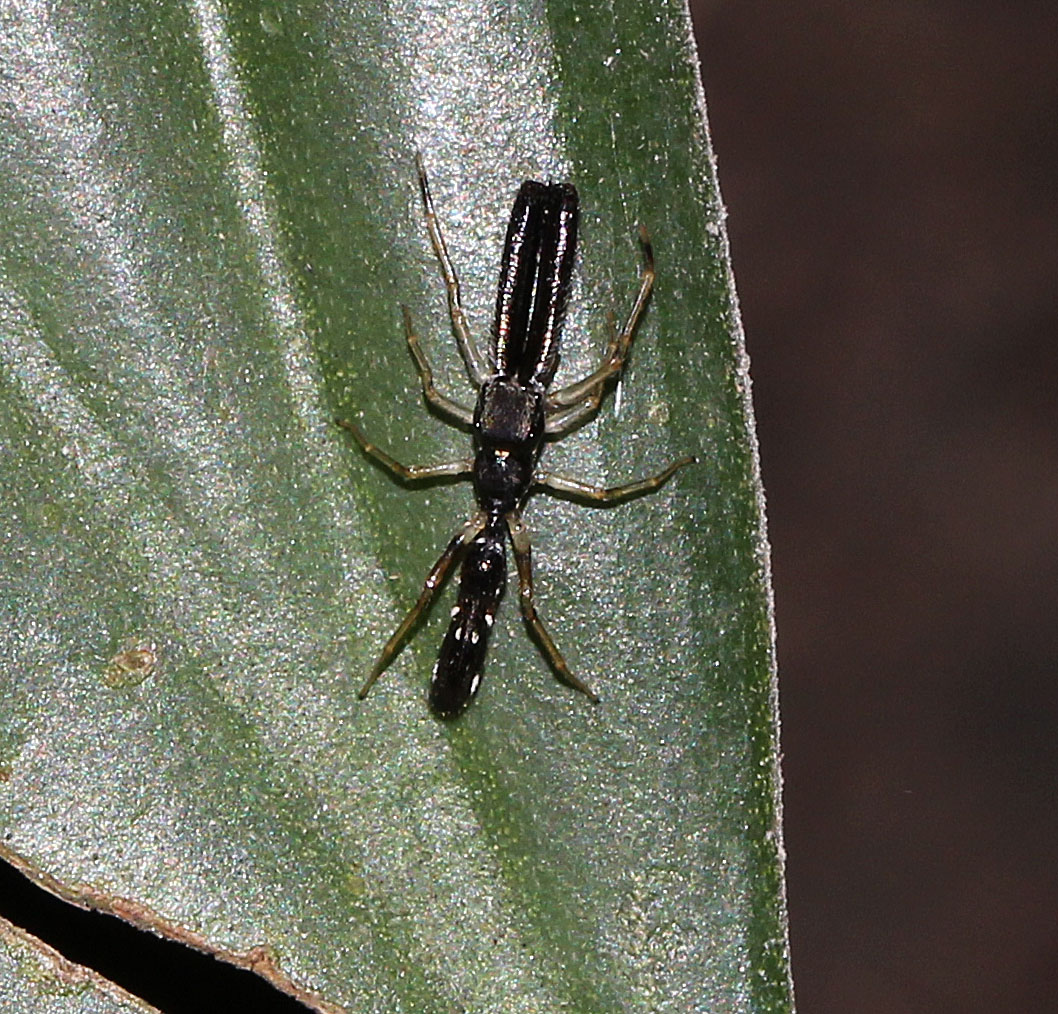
[211, 221]
[36, 980]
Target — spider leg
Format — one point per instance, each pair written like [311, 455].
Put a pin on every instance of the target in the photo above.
[475, 365]
[409, 473]
[604, 496]
[524, 560]
[430, 588]
[561, 422]
[444, 405]
[575, 402]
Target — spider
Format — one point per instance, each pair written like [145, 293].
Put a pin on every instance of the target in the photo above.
[514, 415]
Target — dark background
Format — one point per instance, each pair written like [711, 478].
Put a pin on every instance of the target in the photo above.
[891, 175]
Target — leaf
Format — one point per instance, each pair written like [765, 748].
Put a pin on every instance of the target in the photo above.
[36, 980]
[212, 220]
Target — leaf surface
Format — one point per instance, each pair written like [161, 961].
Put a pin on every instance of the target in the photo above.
[36, 980]
[212, 221]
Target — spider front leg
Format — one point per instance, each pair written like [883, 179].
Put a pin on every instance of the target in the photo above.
[574, 403]
[408, 473]
[475, 364]
[442, 404]
[523, 558]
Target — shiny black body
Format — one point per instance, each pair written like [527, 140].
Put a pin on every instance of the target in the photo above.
[482, 581]
[510, 419]
[515, 411]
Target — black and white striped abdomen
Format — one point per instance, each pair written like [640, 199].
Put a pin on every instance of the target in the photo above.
[481, 584]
